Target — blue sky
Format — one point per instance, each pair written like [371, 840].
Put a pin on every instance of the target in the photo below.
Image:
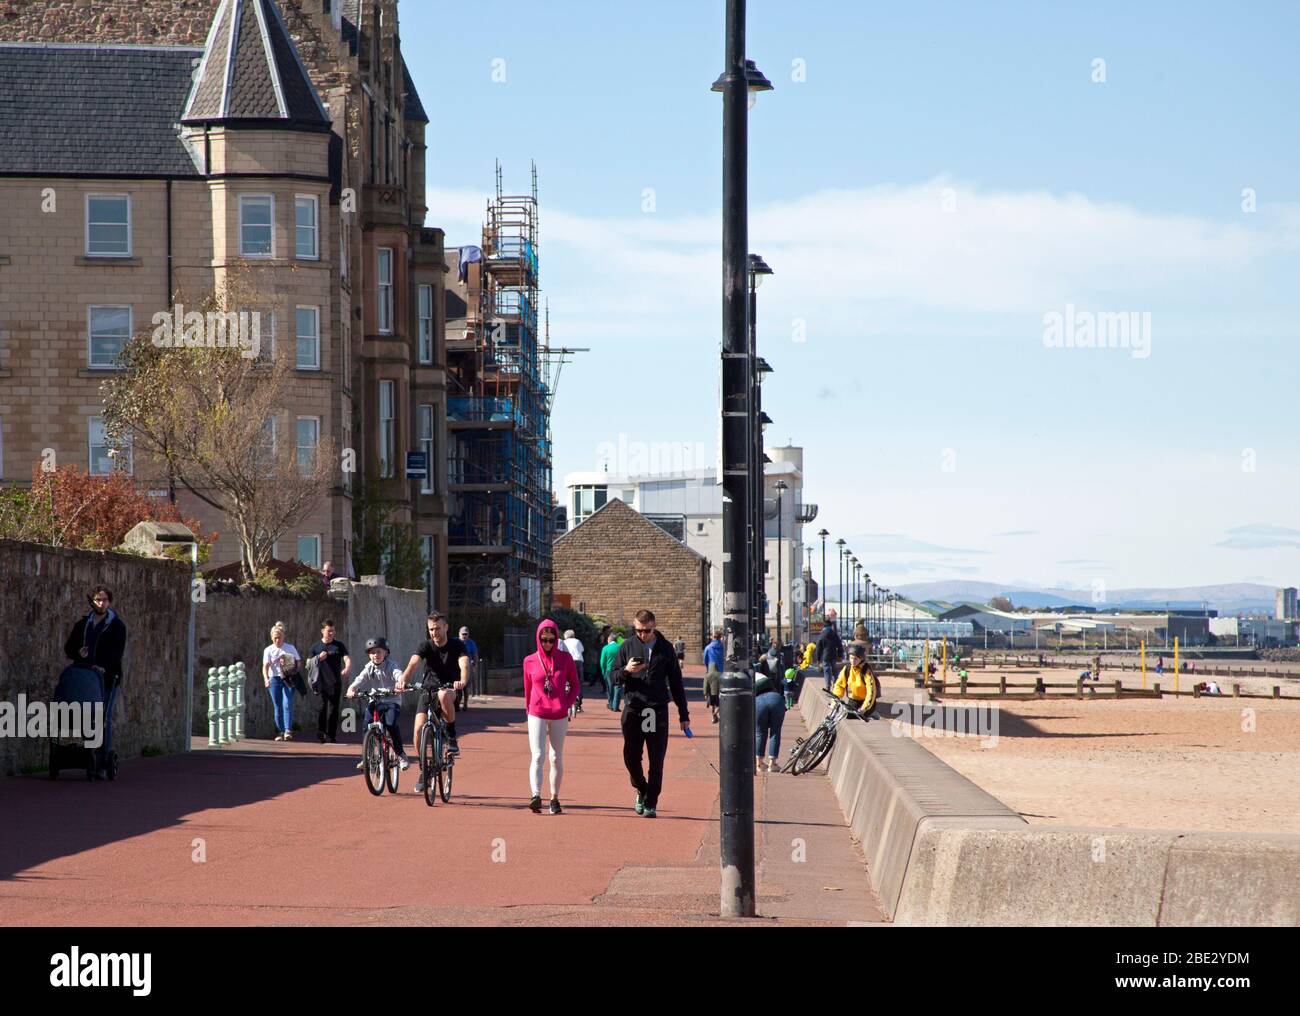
[946, 176]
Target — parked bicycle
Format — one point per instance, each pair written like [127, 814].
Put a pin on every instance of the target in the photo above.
[807, 754]
[436, 763]
[380, 761]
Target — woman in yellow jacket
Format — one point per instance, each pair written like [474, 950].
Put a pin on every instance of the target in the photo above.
[856, 681]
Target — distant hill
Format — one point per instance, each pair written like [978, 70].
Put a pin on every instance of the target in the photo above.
[1229, 598]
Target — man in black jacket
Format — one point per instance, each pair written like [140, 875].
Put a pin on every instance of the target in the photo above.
[97, 643]
[830, 649]
[647, 667]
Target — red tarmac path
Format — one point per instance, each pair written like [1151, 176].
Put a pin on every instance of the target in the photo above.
[290, 836]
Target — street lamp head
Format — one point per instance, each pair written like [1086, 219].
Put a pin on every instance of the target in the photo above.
[823, 534]
[782, 485]
[757, 269]
[840, 543]
[755, 80]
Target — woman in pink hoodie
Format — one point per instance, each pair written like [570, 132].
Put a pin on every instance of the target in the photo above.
[550, 687]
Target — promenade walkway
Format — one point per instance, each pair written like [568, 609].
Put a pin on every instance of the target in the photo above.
[287, 834]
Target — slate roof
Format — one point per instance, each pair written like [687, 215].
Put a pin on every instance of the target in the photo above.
[414, 107]
[94, 110]
[252, 72]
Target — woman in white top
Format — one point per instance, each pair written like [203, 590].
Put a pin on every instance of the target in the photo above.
[273, 662]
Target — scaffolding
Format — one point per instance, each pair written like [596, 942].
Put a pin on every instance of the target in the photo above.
[498, 420]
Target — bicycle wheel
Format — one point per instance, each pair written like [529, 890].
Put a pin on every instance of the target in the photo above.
[372, 753]
[444, 766]
[428, 764]
[390, 759]
[811, 751]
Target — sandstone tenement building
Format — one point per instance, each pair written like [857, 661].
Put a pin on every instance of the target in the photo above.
[180, 140]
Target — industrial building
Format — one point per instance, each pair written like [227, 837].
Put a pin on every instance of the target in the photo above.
[1287, 607]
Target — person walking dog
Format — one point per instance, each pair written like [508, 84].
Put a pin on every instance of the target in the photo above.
[647, 668]
[551, 685]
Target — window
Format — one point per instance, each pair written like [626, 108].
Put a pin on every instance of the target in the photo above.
[309, 551]
[345, 335]
[257, 225]
[343, 248]
[387, 435]
[306, 240]
[266, 450]
[308, 338]
[426, 446]
[308, 439]
[426, 324]
[385, 291]
[109, 328]
[108, 226]
[102, 458]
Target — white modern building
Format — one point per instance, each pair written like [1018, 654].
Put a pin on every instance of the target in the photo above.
[688, 504]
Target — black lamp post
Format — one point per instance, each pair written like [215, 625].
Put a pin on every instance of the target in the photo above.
[823, 534]
[739, 80]
[840, 543]
[757, 269]
[781, 488]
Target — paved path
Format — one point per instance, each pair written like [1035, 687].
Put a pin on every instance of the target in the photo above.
[287, 834]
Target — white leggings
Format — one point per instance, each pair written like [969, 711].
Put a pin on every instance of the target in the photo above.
[538, 731]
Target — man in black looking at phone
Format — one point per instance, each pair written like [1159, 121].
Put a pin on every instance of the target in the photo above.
[648, 669]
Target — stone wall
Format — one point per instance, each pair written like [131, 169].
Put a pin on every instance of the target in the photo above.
[616, 563]
[231, 629]
[138, 22]
[42, 595]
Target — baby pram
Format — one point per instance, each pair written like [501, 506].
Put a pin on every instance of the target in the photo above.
[83, 687]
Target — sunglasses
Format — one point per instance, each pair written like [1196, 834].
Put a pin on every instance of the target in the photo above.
[548, 638]
[644, 631]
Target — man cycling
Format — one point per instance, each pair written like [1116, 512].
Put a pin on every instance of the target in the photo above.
[446, 671]
[857, 685]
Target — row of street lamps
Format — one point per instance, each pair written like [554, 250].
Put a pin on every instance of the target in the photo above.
[866, 600]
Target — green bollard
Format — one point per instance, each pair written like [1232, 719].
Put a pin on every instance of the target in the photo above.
[240, 678]
[213, 740]
[223, 705]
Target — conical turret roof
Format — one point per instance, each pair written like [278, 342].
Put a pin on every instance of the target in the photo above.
[251, 72]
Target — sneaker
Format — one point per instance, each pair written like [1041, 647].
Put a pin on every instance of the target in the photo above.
[453, 746]
[279, 737]
[715, 719]
[288, 735]
[403, 763]
[650, 812]
[555, 806]
[321, 738]
[535, 805]
[419, 785]
[361, 764]
[640, 803]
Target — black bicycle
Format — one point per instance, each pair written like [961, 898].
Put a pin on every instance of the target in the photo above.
[436, 762]
[381, 764]
[807, 754]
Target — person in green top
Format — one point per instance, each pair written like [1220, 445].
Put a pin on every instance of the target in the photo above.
[607, 656]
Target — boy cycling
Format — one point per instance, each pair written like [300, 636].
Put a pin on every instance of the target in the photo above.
[857, 685]
[382, 674]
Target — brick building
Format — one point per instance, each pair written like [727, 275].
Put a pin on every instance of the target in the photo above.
[181, 138]
[618, 562]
